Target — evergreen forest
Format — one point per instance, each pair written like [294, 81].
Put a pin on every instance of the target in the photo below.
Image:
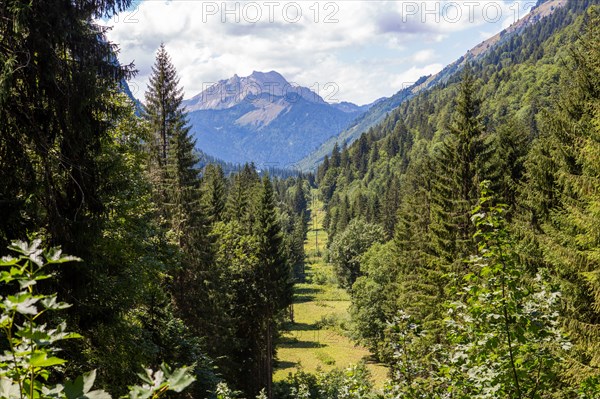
[464, 230]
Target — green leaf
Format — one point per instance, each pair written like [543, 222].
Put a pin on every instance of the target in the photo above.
[8, 261]
[23, 303]
[23, 247]
[51, 303]
[81, 388]
[54, 255]
[42, 360]
[26, 283]
[8, 389]
[74, 389]
[180, 379]
[97, 394]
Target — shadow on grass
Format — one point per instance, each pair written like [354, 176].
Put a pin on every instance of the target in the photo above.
[303, 294]
[285, 364]
[291, 342]
[291, 327]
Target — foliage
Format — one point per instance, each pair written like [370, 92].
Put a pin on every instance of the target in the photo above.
[503, 330]
[564, 203]
[534, 137]
[372, 295]
[30, 358]
[414, 363]
[57, 73]
[347, 248]
[350, 383]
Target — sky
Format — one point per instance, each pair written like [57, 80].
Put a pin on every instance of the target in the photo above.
[348, 50]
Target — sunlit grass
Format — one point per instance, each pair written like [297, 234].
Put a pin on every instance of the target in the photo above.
[317, 340]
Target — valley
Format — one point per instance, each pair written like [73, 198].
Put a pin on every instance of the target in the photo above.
[317, 339]
[257, 241]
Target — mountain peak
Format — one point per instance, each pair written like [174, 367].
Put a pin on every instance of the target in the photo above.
[230, 92]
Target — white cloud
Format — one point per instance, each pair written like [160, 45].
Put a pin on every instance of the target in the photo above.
[410, 76]
[368, 48]
[423, 56]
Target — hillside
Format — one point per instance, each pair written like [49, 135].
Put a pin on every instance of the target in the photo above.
[378, 113]
[483, 185]
[516, 78]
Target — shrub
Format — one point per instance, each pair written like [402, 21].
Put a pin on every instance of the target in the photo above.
[31, 354]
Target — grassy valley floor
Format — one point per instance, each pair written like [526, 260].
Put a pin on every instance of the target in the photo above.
[317, 339]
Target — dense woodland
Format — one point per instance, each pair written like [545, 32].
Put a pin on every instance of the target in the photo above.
[469, 218]
[465, 227]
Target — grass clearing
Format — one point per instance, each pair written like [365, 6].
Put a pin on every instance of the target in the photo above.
[317, 339]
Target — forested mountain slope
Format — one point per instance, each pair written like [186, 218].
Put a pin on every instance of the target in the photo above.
[518, 79]
[378, 113]
[486, 188]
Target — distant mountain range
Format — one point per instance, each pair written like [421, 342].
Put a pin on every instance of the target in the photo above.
[263, 118]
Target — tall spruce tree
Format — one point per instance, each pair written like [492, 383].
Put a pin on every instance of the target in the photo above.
[57, 72]
[177, 191]
[275, 281]
[214, 194]
[241, 194]
[421, 282]
[459, 168]
[299, 203]
[70, 169]
[564, 176]
[171, 146]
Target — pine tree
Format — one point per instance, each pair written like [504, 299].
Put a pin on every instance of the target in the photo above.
[421, 282]
[214, 193]
[564, 172]
[459, 168]
[58, 79]
[274, 280]
[163, 105]
[297, 255]
[241, 195]
[177, 192]
[336, 159]
[299, 203]
[172, 151]
[510, 145]
[390, 205]
[171, 147]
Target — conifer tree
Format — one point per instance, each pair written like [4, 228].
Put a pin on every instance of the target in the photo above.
[389, 207]
[58, 78]
[177, 190]
[421, 283]
[171, 147]
[565, 174]
[299, 203]
[459, 168]
[336, 159]
[214, 193]
[510, 146]
[241, 196]
[274, 280]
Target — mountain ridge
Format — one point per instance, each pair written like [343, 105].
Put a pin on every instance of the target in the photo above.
[265, 119]
[376, 115]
